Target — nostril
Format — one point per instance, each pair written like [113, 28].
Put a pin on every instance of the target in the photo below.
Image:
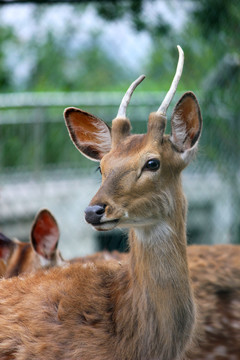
[93, 214]
[101, 209]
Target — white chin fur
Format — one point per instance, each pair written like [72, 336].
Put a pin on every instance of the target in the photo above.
[106, 226]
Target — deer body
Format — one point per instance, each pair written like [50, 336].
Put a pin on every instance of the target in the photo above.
[86, 312]
[93, 312]
[64, 321]
[215, 278]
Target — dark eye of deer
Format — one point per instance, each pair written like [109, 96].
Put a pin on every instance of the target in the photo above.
[152, 165]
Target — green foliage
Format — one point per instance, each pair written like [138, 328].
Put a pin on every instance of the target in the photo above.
[57, 68]
[219, 18]
[210, 32]
[6, 36]
[115, 9]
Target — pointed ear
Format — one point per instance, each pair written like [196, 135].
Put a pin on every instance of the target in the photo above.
[6, 247]
[90, 135]
[186, 124]
[45, 234]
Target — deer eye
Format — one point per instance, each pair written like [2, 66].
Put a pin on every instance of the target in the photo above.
[152, 165]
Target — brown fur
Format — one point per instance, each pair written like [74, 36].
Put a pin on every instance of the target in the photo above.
[100, 256]
[215, 278]
[120, 129]
[2, 268]
[21, 258]
[215, 275]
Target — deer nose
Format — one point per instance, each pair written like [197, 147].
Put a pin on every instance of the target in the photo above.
[93, 214]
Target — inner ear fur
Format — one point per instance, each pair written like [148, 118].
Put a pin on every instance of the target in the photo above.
[186, 122]
[45, 234]
[90, 135]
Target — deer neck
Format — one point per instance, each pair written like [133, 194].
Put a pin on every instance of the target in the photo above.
[161, 281]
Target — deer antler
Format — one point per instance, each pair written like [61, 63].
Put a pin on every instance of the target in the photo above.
[170, 94]
[121, 125]
[125, 101]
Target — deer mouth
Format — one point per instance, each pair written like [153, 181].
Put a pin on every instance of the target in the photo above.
[106, 225]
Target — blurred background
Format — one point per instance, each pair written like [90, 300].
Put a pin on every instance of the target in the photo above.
[55, 54]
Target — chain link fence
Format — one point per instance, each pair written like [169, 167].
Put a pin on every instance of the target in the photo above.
[40, 168]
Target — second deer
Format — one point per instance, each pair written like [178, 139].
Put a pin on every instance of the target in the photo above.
[19, 257]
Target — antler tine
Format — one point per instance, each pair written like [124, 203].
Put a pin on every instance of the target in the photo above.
[170, 94]
[125, 101]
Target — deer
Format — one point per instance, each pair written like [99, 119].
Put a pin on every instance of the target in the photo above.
[18, 257]
[146, 307]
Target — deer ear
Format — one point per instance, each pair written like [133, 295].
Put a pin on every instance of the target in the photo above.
[45, 234]
[186, 124]
[6, 247]
[90, 135]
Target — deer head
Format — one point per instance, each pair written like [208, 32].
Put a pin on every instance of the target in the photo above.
[21, 257]
[137, 170]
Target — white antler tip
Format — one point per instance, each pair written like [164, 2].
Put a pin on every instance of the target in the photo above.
[169, 96]
[141, 78]
[180, 50]
[127, 96]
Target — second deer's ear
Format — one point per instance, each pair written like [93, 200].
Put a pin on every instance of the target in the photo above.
[186, 124]
[45, 234]
[90, 135]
